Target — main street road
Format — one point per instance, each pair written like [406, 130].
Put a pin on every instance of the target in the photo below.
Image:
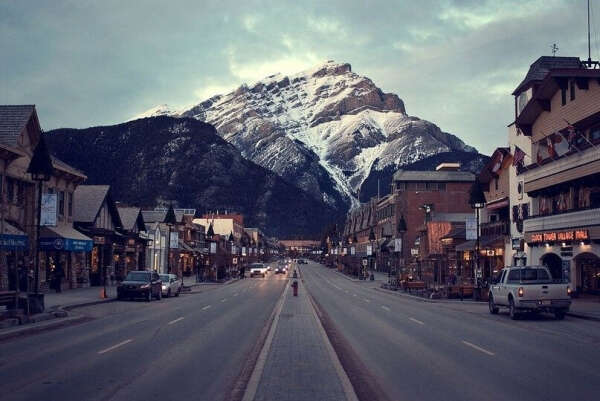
[190, 347]
[415, 350]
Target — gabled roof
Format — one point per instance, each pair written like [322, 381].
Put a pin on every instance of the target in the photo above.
[129, 216]
[158, 216]
[88, 201]
[13, 118]
[540, 68]
[442, 176]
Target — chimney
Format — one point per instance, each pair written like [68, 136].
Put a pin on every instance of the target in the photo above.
[448, 167]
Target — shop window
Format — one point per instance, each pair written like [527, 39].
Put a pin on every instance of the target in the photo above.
[441, 186]
[61, 203]
[401, 186]
[595, 134]
[421, 186]
[432, 186]
[10, 190]
[70, 203]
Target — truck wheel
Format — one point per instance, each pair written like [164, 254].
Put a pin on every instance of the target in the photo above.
[559, 314]
[512, 310]
[492, 305]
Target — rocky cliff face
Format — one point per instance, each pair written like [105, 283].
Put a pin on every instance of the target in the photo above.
[326, 129]
[163, 158]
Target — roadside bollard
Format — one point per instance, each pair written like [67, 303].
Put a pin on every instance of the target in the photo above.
[295, 287]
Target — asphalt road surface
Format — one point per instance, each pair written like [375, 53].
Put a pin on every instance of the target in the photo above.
[414, 350]
[190, 347]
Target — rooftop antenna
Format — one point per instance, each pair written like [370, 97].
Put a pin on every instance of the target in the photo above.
[589, 46]
[554, 48]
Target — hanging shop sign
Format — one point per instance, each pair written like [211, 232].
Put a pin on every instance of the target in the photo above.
[471, 228]
[48, 210]
[398, 245]
[560, 236]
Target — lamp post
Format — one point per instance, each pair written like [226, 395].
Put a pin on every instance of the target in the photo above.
[230, 239]
[372, 241]
[209, 236]
[477, 202]
[170, 221]
[400, 229]
[41, 170]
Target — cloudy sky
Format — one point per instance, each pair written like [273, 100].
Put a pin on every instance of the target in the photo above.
[454, 63]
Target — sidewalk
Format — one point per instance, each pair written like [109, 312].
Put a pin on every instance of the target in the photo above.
[79, 297]
[299, 364]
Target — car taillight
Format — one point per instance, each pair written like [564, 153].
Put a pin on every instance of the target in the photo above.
[520, 291]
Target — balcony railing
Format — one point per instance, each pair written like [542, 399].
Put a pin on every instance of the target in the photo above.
[495, 228]
[568, 219]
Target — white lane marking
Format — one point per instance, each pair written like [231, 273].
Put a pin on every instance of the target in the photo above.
[176, 320]
[385, 307]
[236, 294]
[367, 300]
[339, 288]
[415, 320]
[115, 346]
[206, 307]
[346, 291]
[478, 348]
[224, 300]
[355, 295]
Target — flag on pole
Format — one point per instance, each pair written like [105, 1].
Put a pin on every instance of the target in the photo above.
[518, 157]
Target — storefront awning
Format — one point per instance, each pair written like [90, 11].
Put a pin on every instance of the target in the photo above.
[64, 238]
[486, 241]
[12, 238]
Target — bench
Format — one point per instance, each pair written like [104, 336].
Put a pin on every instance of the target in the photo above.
[411, 286]
[456, 290]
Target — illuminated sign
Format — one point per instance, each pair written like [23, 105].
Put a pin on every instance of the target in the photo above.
[561, 236]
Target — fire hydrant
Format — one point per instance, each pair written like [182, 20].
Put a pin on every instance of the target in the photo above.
[295, 287]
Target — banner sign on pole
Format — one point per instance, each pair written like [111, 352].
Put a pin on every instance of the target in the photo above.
[174, 243]
[369, 250]
[471, 228]
[398, 245]
[352, 250]
[213, 247]
[48, 212]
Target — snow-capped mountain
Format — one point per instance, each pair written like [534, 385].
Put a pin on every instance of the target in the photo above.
[325, 129]
[160, 110]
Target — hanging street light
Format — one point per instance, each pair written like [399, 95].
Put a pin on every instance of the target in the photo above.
[477, 202]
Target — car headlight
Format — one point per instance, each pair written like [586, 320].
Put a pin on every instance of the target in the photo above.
[164, 287]
[569, 291]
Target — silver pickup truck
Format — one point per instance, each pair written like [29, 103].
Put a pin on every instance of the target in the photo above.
[529, 289]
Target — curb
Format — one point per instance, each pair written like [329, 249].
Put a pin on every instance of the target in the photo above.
[81, 305]
[433, 301]
[19, 331]
[584, 317]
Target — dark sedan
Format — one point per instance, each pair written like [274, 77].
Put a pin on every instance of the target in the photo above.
[140, 284]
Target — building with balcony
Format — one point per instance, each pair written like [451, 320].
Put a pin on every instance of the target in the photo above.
[557, 109]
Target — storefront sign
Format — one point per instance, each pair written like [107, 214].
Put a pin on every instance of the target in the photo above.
[234, 261]
[65, 244]
[12, 242]
[517, 245]
[213, 247]
[365, 262]
[48, 211]
[560, 236]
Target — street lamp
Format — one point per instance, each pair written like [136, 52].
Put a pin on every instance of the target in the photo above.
[477, 202]
[401, 229]
[41, 169]
[209, 236]
[170, 221]
[372, 240]
[230, 239]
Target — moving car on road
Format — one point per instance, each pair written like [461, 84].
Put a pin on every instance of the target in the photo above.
[529, 289]
[258, 269]
[281, 268]
[171, 285]
[140, 284]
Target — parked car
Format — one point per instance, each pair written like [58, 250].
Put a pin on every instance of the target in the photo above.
[171, 285]
[529, 289]
[140, 284]
[258, 269]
